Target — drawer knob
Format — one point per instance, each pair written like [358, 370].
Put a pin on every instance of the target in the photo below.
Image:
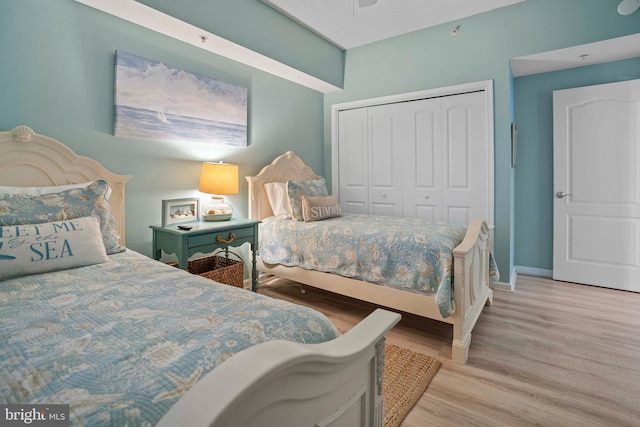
[232, 237]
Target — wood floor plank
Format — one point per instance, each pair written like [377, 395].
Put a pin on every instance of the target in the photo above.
[548, 354]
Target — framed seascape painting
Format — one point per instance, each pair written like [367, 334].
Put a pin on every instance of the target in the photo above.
[158, 101]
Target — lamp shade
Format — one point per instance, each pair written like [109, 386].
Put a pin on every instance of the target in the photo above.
[219, 178]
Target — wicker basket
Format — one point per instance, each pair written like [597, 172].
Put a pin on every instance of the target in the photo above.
[218, 268]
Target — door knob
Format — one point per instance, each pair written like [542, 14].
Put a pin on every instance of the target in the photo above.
[561, 194]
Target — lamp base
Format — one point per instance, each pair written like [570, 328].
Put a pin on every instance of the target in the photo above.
[217, 210]
[218, 217]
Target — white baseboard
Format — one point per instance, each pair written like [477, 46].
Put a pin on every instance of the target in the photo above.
[531, 271]
[506, 286]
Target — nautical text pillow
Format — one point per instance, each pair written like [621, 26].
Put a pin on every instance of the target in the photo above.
[39, 248]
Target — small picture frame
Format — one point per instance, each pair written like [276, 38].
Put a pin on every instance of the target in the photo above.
[175, 211]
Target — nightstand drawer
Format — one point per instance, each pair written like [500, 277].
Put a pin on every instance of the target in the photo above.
[207, 237]
[225, 237]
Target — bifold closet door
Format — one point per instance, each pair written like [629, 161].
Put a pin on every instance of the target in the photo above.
[388, 133]
[370, 160]
[465, 186]
[422, 154]
[353, 163]
[425, 158]
[446, 158]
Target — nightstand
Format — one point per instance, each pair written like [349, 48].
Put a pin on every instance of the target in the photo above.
[205, 237]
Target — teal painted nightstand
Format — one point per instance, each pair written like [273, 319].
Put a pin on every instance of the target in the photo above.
[205, 237]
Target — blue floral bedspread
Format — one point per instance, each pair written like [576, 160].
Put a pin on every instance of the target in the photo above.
[121, 341]
[409, 253]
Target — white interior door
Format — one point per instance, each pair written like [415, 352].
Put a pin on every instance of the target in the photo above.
[597, 185]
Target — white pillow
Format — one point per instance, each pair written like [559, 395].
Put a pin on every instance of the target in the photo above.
[38, 191]
[50, 246]
[278, 199]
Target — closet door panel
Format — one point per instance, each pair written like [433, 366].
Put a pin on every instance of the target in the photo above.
[353, 161]
[459, 214]
[464, 188]
[386, 130]
[422, 160]
[428, 158]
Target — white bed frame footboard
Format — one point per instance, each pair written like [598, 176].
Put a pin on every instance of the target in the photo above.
[471, 265]
[279, 383]
[283, 383]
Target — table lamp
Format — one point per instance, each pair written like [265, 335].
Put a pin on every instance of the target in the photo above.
[218, 179]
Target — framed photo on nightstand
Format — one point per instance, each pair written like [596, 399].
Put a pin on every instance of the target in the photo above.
[175, 211]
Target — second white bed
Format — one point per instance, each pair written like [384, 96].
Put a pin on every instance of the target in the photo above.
[471, 265]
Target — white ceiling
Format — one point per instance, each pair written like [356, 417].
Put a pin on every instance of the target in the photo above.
[347, 25]
[578, 56]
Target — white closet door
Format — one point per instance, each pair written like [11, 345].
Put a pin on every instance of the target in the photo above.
[464, 133]
[387, 131]
[429, 158]
[422, 153]
[353, 164]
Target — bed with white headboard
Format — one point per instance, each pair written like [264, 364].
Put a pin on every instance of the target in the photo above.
[472, 263]
[29, 159]
[124, 339]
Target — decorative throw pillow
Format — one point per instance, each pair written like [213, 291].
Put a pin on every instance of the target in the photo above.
[18, 209]
[320, 207]
[37, 191]
[278, 199]
[51, 246]
[297, 189]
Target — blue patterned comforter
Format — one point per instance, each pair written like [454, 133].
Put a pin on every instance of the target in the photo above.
[121, 341]
[409, 253]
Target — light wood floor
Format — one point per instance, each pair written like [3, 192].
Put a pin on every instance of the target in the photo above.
[549, 354]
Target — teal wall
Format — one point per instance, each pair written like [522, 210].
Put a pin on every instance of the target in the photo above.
[432, 58]
[257, 26]
[534, 173]
[57, 68]
[57, 76]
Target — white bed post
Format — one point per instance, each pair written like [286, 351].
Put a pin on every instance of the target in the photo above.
[471, 261]
[379, 396]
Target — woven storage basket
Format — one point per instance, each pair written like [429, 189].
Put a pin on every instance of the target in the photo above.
[218, 268]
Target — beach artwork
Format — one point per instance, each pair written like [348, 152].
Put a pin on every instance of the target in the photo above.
[157, 101]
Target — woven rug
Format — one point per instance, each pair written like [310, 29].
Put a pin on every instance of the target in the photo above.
[406, 376]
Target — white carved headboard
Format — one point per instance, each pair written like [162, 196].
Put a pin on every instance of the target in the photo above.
[28, 159]
[285, 167]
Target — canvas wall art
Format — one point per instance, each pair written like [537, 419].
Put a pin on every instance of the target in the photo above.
[157, 101]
